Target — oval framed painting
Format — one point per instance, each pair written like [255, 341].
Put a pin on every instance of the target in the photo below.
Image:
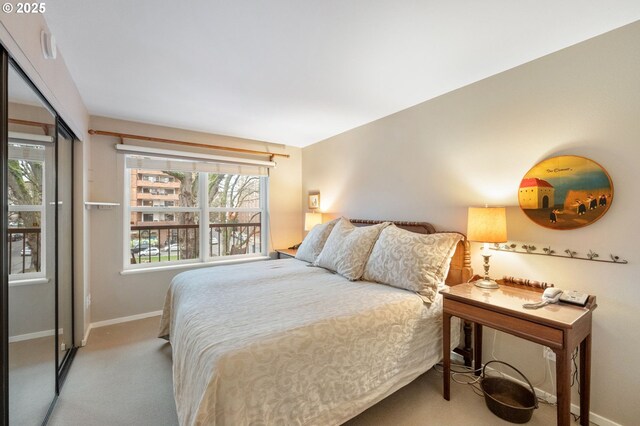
[565, 192]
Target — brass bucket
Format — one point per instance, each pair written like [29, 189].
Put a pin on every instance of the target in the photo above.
[507, 399]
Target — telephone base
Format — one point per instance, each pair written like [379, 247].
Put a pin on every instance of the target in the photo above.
[574, 298]
[486, 283]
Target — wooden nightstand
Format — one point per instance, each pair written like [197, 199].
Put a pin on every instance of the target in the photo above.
[284, 253]
[559, 326]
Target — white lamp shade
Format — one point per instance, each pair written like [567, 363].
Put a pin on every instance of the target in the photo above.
[487, 224]
[311, 220]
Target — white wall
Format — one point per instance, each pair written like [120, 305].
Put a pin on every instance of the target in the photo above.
[474, 145]
[115, 295]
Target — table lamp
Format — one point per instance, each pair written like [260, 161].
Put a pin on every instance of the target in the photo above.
[311, 220]
[487, 225]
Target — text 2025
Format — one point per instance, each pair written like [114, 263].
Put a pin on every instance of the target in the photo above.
[30, 7]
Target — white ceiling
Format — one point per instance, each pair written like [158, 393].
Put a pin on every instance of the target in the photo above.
[300, 71]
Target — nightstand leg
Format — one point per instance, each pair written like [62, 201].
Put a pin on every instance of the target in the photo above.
[446, 355]
[468, 349]
[477, 347]
[563, 386]
[585, 379]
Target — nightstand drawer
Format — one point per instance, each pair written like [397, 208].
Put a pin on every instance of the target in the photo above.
[542, 334]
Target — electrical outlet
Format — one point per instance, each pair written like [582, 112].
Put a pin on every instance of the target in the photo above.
[548, 354]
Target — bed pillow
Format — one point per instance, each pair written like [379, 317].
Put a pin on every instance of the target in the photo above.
[313, 243]
[348, 247]
[415, 262]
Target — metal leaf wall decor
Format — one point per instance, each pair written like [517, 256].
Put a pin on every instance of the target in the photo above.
[549, 251]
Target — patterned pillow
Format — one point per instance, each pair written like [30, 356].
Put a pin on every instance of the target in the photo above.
[415, 262]
[312, 244]
[348, 247]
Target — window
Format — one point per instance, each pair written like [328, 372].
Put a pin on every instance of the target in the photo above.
[235, 214]
[147, 217]
[192, 211]
[26, 245]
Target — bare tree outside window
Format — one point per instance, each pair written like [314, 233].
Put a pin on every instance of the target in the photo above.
[24, 182]
[230, 195]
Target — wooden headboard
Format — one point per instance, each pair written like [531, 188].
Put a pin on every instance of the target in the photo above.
[460, 270]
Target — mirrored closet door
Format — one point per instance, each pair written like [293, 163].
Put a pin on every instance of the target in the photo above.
[37, 294]
[31, 182]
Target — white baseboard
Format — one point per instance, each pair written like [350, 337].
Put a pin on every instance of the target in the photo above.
[29, 336]
[125, 319]
[86, 337]
[575, 409]
[594, 418]
[105, 323]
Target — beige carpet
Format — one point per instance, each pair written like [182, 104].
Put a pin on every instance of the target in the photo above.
[123, 377]
[32, 378]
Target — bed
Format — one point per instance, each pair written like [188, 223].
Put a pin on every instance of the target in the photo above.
[280, 342]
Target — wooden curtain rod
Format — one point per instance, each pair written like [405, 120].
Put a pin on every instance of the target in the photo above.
[43, 126]
[193, 144]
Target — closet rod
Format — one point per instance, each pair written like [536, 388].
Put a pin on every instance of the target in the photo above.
[176, 142]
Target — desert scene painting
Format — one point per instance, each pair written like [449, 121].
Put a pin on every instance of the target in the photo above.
[565, 192]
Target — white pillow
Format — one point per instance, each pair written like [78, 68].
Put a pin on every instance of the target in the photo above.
[348, 247]
[415, 262]
[312, 244]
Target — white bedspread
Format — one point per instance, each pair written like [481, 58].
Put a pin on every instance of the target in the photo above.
[281, 343]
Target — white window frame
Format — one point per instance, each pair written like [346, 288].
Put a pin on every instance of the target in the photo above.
[263, 209]
[203, 221]
[43, 241]
[34, 277]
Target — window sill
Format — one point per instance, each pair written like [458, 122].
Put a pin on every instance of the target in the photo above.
[194, 265]
[28, 281]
